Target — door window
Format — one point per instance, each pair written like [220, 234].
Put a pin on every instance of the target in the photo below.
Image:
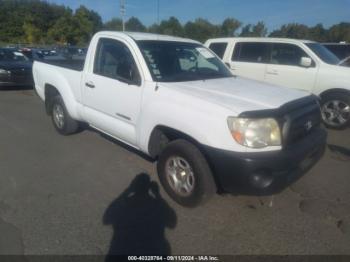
[114, 60]
[250, 52]
[218, 48]
[287, 54]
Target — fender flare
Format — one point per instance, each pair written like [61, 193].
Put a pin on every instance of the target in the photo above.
[64, 90]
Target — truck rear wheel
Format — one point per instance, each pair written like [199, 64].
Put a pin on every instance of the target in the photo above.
[185, 174]
[62, 121]
[336, 110]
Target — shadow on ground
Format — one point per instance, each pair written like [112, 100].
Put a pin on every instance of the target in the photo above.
[139, 217]
[85, 127]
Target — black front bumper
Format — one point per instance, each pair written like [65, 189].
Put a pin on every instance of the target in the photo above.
[265, 172]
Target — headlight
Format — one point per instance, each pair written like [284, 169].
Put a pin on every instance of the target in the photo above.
[3, 72]
[255, 133]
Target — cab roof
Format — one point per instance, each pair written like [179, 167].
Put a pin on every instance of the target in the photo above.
[262, 39]
[148, 36]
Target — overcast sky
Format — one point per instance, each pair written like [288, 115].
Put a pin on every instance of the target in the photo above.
[273, 12]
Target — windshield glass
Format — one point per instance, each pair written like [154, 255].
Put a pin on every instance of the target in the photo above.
[323, 53]
[178, 61]
[12, 56]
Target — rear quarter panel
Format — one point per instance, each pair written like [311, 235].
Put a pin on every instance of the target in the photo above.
[66, 81]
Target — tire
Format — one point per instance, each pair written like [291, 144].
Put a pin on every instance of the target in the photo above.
[199, 185]
[335, 108]
[62, 121]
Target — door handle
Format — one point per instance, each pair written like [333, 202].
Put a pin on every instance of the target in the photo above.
[90, 84]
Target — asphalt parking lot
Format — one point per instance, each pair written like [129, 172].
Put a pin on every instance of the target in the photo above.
[64, 195]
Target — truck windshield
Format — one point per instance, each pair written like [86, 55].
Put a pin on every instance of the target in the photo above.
[323, 53]
[170, 61]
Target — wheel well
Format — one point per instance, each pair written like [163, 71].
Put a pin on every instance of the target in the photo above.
[50, 93]
[334, 90]
[162, 135]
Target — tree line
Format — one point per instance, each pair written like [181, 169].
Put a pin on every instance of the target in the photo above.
[40, 22]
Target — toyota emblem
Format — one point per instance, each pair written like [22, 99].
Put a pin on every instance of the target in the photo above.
[308, 125]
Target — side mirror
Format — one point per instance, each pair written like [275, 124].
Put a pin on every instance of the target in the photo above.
[306, 62]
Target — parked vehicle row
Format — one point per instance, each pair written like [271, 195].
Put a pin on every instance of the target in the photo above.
[177, 102]
[15, 69]
[32, 54]
[341, 50]
[16, 63]
[291, 63]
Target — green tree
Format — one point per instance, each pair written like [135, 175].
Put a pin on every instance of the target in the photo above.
[65, 30]
[339, 32]
[39, 21]
[246, 31]
[89, 22]
[318, 33]
[154, 29]
[33, 34]
[115, 24]
[201, 30]
[259, 30]
[294, 30]
[229, 27]
[171, 26]
[134, 25]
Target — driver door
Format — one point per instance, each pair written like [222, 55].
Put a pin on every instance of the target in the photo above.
[285, 70]
[112, 91]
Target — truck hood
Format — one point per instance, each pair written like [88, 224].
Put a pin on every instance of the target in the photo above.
[238, 94]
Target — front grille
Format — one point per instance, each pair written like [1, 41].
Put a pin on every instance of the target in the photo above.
[299, 122]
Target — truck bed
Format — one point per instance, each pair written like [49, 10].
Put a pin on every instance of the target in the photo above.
[75, 63]
[51, 72]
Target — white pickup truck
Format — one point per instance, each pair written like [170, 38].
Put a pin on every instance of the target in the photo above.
[174, 100]
[292, 63]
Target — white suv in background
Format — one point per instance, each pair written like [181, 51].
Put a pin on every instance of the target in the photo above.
[291, 63]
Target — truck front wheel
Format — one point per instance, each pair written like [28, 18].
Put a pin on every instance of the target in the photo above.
[61, 119]
[185, 174]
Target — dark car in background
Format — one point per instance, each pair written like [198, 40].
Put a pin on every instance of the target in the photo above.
[341, 50]
[71, 52]
[32, 54]
[15, 69]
